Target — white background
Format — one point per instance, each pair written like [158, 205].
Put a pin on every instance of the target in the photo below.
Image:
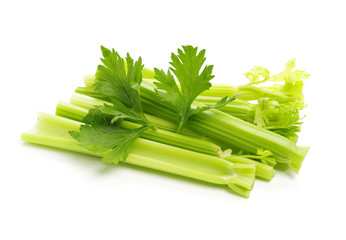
[46, 47]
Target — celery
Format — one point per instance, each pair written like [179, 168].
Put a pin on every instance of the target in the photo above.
[278, 105]
[235, 132]
[287, 88]
[248, 137]
[72, 111]
[121, 117]
[223, 127]
[53, 131]
[246, 92]
[267, 113]
[237, 108]
[77, 113]
[86, 102]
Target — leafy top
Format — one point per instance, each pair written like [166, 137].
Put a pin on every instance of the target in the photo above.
[193, 80]
[256, 72]
[288, 75]
[119, 80]
[288, 84]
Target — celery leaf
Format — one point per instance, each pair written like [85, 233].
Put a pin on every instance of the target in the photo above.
[119, 79]
[256, 72]
[101, 136]
[187, 67]
[118, 112]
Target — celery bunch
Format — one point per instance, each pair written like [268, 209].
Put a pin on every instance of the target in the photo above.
[176, 121]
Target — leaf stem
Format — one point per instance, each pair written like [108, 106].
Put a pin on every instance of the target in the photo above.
[180, 125]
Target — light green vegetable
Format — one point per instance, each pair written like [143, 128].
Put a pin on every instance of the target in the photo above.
[53, 131]
[177, 122]
[285, 87]
[267, 113]
[71, 111]
[279, 99]
[120, 84]
[228, 129]
[233, 131]
[77, 113]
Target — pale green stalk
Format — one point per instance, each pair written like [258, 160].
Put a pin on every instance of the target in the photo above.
[86, 102]
[246, 92]
[77, 113]
[53, 131]
[237, 108]
[233, 131]
[73, 112]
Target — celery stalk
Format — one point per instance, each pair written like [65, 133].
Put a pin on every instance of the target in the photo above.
[77, 113]
[70, 111]
[87, 102]
[167, 137]
[267, 113]
[233, 131]
[53, 131]
[237, 108]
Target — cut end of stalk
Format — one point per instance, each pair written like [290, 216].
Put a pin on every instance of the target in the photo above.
[244, 180]
[241, 191]
[148, 73]
[269, 176]
[263, 171]
[297, 162]
[89, 80]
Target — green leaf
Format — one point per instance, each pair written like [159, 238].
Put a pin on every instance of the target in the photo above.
[102, 137]
[193, 80]
[186, 66]
[171, 93]
[120, 79]
[118, 112]
[288, 75]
